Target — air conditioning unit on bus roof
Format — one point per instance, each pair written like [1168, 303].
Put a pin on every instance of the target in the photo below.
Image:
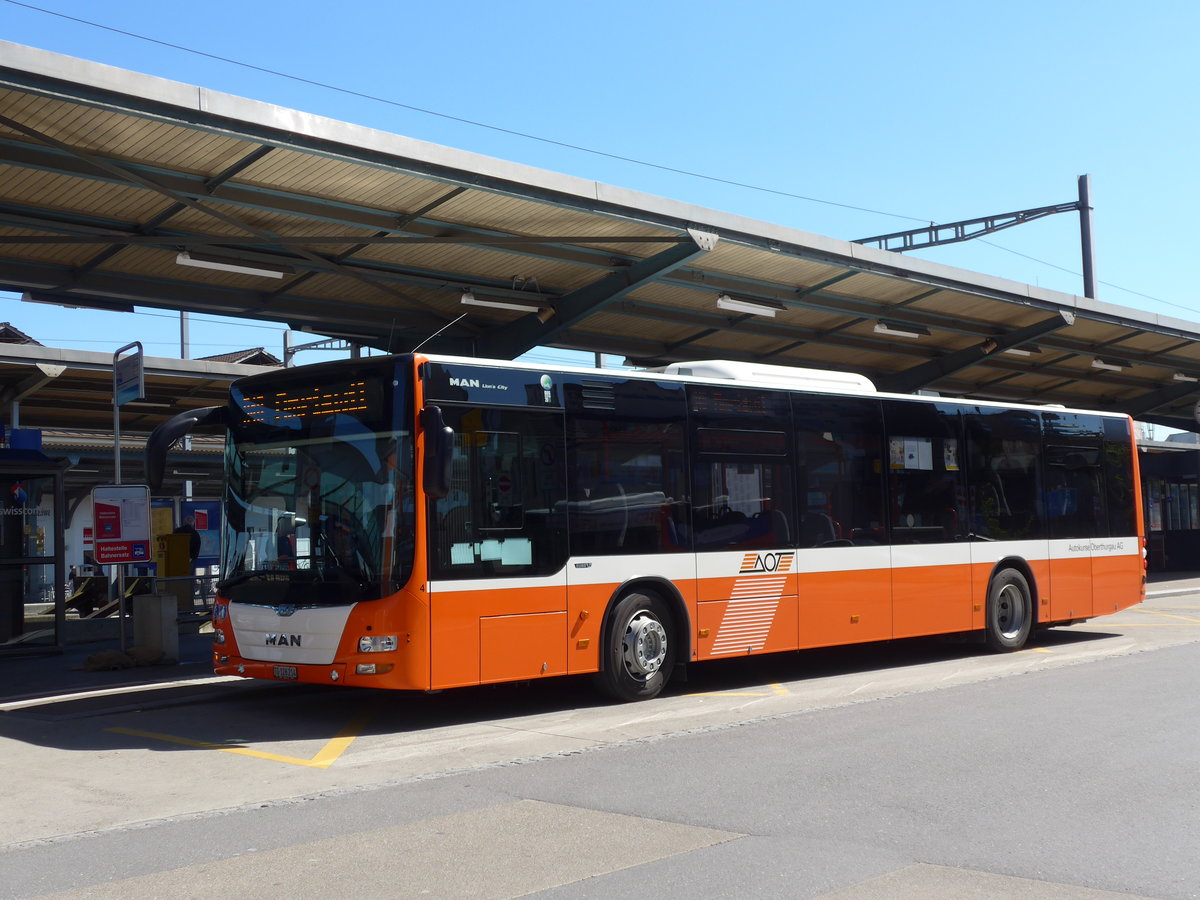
[784, 376]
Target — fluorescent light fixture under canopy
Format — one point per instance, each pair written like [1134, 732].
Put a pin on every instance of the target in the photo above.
[469, 299]
[233, 264]
[897, 329]
[753, 307]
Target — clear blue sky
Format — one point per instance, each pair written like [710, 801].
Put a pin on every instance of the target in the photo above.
[920, 112]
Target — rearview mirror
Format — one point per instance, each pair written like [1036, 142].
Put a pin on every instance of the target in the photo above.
[439, 452]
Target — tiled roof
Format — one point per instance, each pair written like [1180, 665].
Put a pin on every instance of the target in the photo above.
[10, 334]
[255, 356]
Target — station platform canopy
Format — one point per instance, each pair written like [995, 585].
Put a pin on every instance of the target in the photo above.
[119, 189]
[67, 396]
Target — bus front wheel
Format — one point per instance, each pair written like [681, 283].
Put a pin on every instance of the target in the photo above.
[639, 648]
[1009, 611]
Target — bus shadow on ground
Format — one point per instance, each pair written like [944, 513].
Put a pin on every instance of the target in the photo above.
[757, 672]
[255, 713]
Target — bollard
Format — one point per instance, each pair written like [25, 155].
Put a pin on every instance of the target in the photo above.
[155, 626]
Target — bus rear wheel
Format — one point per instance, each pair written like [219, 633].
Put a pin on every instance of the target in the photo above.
[1009, 611]
[639, 648]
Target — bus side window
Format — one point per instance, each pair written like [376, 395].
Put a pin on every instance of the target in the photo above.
[839, 475]
[499, 516]
[624, 494]
[1075, 499]
[1003, 447]
[925, 475]
[740, 505]
[742, 473]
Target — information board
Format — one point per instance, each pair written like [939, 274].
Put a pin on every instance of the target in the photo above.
[121, 523]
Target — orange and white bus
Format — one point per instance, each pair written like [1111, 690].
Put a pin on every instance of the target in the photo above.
[426, 523]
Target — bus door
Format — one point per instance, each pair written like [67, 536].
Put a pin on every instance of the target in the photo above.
[1004, 449]
[743, 522]
[498, 606]
[627, 506]
[931, 551]
[843, 559]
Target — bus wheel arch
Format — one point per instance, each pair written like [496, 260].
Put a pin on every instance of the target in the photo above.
[1011, 606]
[643, 635]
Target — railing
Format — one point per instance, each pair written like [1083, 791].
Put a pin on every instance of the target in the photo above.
[194, 594]
[93, 597]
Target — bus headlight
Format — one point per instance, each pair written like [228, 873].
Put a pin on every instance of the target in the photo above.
[377, 643]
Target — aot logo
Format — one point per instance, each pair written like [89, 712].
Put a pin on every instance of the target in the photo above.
[283, 640]
[464, 382]
[766, 563]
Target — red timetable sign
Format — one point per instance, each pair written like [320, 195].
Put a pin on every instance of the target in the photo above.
[121, 524]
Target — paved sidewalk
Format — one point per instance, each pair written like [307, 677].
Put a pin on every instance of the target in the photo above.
[57, 674]
[1166, 583]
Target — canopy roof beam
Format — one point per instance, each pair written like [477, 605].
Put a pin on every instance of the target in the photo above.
[510, 341]
[918, 377]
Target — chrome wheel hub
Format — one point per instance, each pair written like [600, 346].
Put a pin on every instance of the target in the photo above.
[644, 646]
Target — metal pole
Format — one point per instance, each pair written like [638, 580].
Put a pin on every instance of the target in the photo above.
[116, 442]
[118, 399]
[1085, 236]
[118, 570]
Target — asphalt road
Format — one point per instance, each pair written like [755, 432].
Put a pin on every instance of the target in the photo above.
[914, 769]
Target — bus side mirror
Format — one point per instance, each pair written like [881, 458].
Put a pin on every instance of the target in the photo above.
[165, 435]
[439, 452]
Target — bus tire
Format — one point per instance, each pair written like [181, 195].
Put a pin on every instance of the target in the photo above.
[639, 648]
[1009, 611]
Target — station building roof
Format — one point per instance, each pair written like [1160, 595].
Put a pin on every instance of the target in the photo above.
[120, 189]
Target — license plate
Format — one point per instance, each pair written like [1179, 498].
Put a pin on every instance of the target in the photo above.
[285, 673]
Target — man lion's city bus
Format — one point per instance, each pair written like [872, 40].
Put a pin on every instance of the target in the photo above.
[426, 523]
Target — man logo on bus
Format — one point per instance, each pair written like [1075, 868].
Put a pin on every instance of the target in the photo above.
[766, 563]
[464, 382]
[283, 640]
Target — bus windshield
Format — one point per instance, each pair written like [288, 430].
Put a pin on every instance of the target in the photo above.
[319, 487]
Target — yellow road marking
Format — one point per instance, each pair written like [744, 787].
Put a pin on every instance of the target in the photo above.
[776, 688]
[1151, 612]
[323, 760]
